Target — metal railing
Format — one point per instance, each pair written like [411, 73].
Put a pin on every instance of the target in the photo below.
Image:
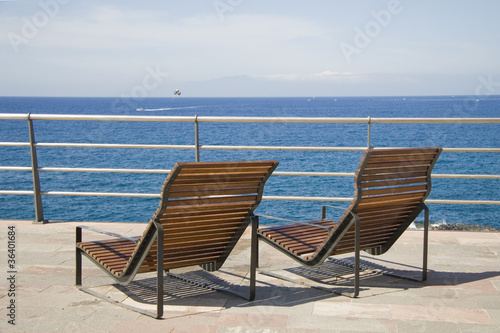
[37, 193]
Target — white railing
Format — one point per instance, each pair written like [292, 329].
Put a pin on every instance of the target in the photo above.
[37, 193]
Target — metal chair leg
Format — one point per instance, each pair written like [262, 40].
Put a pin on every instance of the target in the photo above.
[357, 256]
[254, 257]
[426, 243]
[159, 271]
[78, 261]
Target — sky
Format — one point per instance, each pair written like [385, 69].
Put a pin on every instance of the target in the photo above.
[249, 48]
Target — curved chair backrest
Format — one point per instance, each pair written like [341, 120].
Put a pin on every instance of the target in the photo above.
[204, 210]
[391, 186]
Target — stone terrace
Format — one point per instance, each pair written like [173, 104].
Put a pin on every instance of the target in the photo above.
[462, 293]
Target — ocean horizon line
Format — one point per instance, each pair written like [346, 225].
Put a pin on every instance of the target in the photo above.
[263, 97]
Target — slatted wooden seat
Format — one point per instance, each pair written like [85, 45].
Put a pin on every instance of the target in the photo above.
[204, 210]
[391, 186]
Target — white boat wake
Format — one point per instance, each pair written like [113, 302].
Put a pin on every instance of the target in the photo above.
[166, 109]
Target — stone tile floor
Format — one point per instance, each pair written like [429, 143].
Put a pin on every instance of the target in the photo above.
[462, 293]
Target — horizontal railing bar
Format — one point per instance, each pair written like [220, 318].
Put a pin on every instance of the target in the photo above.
[433, 201]
[276, 173]
[464, 176]
[96, 170]
[224, 147]
[104, 170]
[86, 117]
[299, 198]
[321, 174]
[102, 194]
[113, 145]
[305, 148]
[435, 120]
[366, 120]
[283, 120]
[463, 202]
[15, 144]
[2, 192]
[312, 148]
[349, 120]
[13, 168]
[268, 197]
[472, 150]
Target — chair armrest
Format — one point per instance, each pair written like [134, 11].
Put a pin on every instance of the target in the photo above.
[324, 207]
[78, 231]
[292, 221]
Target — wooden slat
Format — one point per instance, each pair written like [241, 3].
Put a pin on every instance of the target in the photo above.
[397, 170]
[383, 164]
[396, 182]
[401, 175]
[214, 235]
[211, 200]
[192, 247]
[210, 229]
[383, 210]
[385, 217]
[214, 186]
[200, 251]
[207, 179]
[173, 217]
[199, 208]
[97, 247]
[391, 202]
[304, 238]
[401, 157]
[389, 197]
[297, 238]
[382, 221]
[262, 170]
[103, 253]
[392, 190]
[113, 255]
[216, 191]
[176, 264]
[291, 229]
[189, 221]
[209, 254]
[194, 225]
[225, 164]
[380, 212]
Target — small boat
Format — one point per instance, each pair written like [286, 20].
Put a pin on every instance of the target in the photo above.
[139, 109]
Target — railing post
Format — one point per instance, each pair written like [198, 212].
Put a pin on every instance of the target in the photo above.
[36, 179]
[369, 131]
[196, 139]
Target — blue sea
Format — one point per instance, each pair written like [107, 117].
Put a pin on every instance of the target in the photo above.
[62, 208]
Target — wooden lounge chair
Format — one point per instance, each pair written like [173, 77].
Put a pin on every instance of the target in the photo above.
[391, 186]
[204, 209]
